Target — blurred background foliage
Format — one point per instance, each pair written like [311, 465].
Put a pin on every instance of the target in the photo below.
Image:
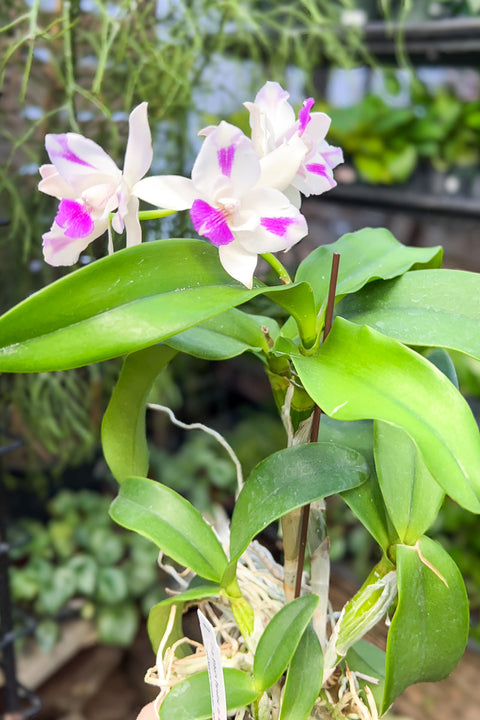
[82, 65]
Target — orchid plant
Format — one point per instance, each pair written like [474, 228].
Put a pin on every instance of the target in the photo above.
[363, 383]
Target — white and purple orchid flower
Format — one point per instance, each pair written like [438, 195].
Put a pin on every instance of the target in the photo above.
[90, 186]
[275, 126]
[233, 200]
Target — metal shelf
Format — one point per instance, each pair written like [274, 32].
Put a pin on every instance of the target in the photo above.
[454, 41]
[395, 198]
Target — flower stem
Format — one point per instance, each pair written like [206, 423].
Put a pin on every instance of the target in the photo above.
[149, 214]
[154, 214]
[278, 267]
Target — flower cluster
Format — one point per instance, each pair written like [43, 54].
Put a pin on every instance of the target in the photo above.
[243, 194]
[90, 186]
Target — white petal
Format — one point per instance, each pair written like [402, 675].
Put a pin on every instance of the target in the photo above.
[139, 153]
[262, 141]
[281, 165]
[293, 196]
[60, 250]
[318, 126]
[53, 184]
[272, 100]
[102, 197]
[227, 164]
[80, 161]
[207, 130]
[315, 176]
[132, 223]
[281, 225]
[238, 263]
[166, 191]
[332, 154]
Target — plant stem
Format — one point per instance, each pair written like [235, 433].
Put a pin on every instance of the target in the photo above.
[278, 267]
[154, 214]
[68, 19]
[150, 214]
[316, 422]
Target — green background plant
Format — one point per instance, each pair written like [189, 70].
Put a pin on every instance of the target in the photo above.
[79, 564]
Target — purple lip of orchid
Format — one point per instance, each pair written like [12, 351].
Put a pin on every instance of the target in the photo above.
[74, 219]
[211, 223]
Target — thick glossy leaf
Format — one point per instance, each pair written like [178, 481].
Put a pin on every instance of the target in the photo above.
[442, 360]
[225, 336]
[162, 515]
[128, 301]
[160, 613]
[356, 435]
[190, 698]
[429, 630]
[280, 639]
[366, 255]
[367, 503]
[365, 500]
[124, 441]
[304, 678]
[359, 373]
[287, 480]
[368, 660]
[428, 308]
[411, 495]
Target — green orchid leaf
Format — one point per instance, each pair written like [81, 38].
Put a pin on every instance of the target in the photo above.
[160, 613]
[130, 300]
[357, 435]
[442, 360]
[287, 480]
[124, 441]
[411, 495]
[365, 500]
[359, 373]
[365, 255]
[427, 308]
[304, 678]
[280, 639]
[367, 503]
[368, 660]
[429, 629]
[190, 698]
[227, 335]
[162, 515]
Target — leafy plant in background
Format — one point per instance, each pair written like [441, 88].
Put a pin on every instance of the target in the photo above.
[77, 65]
[100, 58]
[79, 563]
[395, 433]
[386, 145]
[70, 405]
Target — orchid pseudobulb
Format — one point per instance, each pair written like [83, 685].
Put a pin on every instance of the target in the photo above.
[90, 186]
[232, 201]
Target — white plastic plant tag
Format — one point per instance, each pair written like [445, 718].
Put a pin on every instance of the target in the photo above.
[215, 672]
